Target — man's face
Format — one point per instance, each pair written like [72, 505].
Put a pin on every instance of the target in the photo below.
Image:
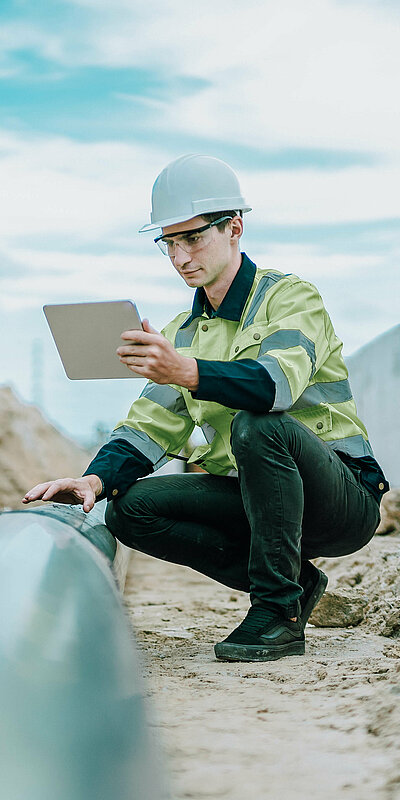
[205, 266]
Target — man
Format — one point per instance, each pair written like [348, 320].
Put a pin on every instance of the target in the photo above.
[256, 364]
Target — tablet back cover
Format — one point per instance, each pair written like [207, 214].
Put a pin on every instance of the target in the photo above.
[87, 335]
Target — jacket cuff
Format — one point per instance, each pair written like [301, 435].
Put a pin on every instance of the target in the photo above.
[118, 465]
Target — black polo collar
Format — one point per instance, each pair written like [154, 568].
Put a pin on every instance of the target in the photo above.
[234, 301]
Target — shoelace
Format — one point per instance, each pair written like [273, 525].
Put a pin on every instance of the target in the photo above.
[257, 617]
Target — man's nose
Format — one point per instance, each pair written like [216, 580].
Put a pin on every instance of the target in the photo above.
[181, 257]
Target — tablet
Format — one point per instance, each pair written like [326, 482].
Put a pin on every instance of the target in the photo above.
[87, 335]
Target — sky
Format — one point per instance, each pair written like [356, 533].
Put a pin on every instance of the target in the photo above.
[301, 99]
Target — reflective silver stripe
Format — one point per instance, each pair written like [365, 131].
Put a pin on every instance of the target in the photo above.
[283, 395]
[167, 397]
[291, 337]
[355, 446]
[208, 431]
[143, 443]
[184, 336]
[265, 283]
[331, 392]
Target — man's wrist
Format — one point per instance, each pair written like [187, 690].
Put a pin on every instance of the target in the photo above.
[190, 378]
[96, 483]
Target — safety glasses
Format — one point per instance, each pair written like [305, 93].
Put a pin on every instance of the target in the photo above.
[189, 241]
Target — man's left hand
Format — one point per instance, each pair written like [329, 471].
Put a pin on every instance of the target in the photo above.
[150, 354]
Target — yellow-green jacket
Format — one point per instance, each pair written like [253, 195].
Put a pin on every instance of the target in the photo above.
[283, 325]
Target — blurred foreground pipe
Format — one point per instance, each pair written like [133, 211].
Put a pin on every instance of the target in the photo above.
[72, 723]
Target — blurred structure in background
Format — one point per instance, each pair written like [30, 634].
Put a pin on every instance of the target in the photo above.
[72, 723]
[375, 381]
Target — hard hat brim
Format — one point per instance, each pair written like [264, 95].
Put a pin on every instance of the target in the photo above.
[164, 223]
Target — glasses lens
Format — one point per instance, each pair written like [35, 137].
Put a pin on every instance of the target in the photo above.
[195, 241]
[163, 246]
[191, 241]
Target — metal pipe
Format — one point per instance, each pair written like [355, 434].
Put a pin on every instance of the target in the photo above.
[72, 722]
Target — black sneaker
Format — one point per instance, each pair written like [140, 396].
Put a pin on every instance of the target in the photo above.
[262, 637]
[314, 583]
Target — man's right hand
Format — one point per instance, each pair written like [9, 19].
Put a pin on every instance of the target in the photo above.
[68, 490]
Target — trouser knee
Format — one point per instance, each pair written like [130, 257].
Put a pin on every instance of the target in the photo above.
[125, 515]
[249, 429]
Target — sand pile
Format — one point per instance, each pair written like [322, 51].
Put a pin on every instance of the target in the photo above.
[390, 513]
[364, 588]
[31, 450]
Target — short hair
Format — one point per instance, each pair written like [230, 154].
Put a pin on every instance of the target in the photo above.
[213, 215]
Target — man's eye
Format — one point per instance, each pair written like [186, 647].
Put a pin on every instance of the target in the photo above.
[192, 239]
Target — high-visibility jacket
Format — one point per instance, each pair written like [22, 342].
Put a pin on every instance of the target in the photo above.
[285, 326]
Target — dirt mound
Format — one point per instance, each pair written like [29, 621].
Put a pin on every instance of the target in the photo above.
[364, 588]
[390, 512]
[31, 450]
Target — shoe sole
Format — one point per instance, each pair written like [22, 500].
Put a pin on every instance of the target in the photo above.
[237, 652]
[314, 598]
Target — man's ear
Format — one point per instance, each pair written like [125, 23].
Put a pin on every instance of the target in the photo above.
[236, 228]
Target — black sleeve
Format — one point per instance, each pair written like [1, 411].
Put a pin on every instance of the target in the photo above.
[370, 473]
[118, 464]
[243, 384]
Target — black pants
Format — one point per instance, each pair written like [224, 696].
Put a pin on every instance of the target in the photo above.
[294, 500]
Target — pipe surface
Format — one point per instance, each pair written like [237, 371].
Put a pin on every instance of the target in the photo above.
[72, 721]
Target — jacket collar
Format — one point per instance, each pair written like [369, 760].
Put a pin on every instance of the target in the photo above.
[235, 299]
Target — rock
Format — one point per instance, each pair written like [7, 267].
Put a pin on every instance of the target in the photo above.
[339, 609]
[371, 574]
[390, 513]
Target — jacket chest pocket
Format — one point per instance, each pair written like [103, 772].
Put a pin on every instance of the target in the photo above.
[247, 344]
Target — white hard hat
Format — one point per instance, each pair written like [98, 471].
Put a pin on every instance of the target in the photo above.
[193, 185]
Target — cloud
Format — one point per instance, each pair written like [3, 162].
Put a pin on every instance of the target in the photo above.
[92, 191]
[310, 196]
[358, 289]
[55, 185]
[311, 262]
[10, 266]
[55, 277]
[310, 74]
[20, 35]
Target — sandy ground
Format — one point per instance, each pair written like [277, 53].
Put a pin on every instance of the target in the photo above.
[324, 725]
